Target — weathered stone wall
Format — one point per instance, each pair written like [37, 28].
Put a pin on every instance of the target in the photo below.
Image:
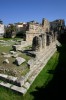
[35, 29]
[30, 36]
[46, 25]
[58, 25]
[43, 40]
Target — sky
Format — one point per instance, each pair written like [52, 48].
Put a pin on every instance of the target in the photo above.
[13, 11]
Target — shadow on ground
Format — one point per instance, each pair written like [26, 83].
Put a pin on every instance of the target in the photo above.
[56, 88]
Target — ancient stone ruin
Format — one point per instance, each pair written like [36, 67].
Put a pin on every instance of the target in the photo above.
[44, 40]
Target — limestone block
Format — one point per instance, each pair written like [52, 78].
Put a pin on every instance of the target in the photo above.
[17, 47]
[5, 84]
[19, 60]
[20, 81]
[27, 85]
[3, 75]
[6, 61]
[19, 89]
[3, 53]
[15, 55]
[12, 52]
[7, 55]
[11, 78]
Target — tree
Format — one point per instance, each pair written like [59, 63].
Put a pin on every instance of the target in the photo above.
[21, 34]
[10, 31]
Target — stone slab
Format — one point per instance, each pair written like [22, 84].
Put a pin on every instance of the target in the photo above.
[27, 85]
[20, 81]
[13, 87]
[19, 89]
[3, 75]
[8, 85]
[19, 60]
[11, 78]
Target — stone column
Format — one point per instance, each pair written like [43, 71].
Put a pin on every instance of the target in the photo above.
[55, 36]
[52, 34]
[50, 39]
[44, 40]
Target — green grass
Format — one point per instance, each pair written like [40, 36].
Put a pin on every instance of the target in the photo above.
[10, 39]
[42, 80]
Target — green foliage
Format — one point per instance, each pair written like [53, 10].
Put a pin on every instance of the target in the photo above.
[10, 31]
[21, 34]
[7, 94]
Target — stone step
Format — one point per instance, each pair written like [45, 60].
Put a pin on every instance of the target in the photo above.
[19, 89]
[7, 77]
[13, 87]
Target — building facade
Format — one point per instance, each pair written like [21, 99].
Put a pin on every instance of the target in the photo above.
[2, 30]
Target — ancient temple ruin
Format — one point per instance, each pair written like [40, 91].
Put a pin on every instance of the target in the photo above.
[43, 41]
[36, 29]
